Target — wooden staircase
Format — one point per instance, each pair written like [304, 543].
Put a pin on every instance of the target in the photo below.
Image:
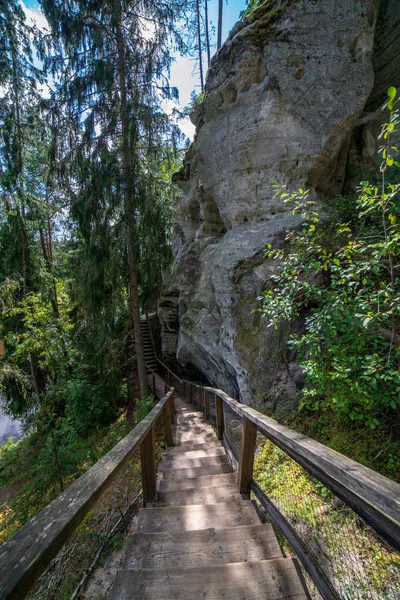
[201, 539]
[149, 353]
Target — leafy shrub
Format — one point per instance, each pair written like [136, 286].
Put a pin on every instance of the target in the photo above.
[143, 407]
[345, 279]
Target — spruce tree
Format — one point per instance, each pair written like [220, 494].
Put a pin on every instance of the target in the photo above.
[113, 56]
[18, 82]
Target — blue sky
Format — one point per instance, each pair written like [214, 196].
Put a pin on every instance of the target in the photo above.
[184, 75]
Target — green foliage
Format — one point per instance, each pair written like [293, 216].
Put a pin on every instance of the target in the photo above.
[254, 5]
[42, 465]
[46, 461]
[143, 407]
[344, 279]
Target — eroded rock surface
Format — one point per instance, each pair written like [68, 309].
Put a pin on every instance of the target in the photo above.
[283, 96]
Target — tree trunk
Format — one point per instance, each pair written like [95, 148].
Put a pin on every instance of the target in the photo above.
[19, 160]
[134, 312]
[207, 32]
[219, 37]
[199, 44]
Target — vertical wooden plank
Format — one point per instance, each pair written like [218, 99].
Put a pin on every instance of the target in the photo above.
[168, 378]
[165, 390]
[206, 405]
[219, 416]
[200, 398]
[190, 392]
[169, 438]
[148, 461]
[184, 390]
[154, 383]
[247, 451]
[172, 403]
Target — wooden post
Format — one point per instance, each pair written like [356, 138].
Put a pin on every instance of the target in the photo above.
[191, 393]
[166, 390]
[169, 438]
[172, 404]
[206, 405]
[148, 460]
[200, 398]
[219, 416]
[184, 390]
[247, 452]
[154, 383]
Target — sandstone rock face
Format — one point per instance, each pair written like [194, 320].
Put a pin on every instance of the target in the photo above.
[363, 155]
[282, 98]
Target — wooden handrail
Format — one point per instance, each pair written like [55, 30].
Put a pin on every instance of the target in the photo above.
[371, 495]
[374, 497]
[26, 555]
[170, 371]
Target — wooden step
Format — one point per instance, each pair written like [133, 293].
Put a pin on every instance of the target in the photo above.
[172, 454]
[196, 427]
[207, 547]
[276, 579]
[207, 481]
[194, 437]
[204, 496]
[182, 462]
[187, 446]
[191, 419]
[189, 518]
[195, 472]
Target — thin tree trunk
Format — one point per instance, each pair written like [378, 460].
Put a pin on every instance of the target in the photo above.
[207, 32]
[219, 37]
[199, 44]
[24, 237]
[134, 312]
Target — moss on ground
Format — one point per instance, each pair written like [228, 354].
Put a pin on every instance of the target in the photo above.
[356, 561]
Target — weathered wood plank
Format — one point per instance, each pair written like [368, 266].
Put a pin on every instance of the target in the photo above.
[149, 470]
[172, 405]
[276, 579]
[25, 556]
[202, 548]
[219, 415]
[319, 577]
[169, 438]
[373, 496]
[192, 518]
[200, 398]
[173, 485]
[247, 452]
[206, 404]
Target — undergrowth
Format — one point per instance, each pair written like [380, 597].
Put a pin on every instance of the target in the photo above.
[36, 469]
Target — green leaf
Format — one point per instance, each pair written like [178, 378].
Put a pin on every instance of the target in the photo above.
[392, 91]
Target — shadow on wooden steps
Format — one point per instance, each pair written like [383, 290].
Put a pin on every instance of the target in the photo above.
[201, 539]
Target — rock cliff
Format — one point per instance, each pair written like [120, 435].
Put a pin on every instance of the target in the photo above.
[283, 98]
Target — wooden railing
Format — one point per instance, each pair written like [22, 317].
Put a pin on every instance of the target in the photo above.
[26, 555]
[170, 377]
[375, 498]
